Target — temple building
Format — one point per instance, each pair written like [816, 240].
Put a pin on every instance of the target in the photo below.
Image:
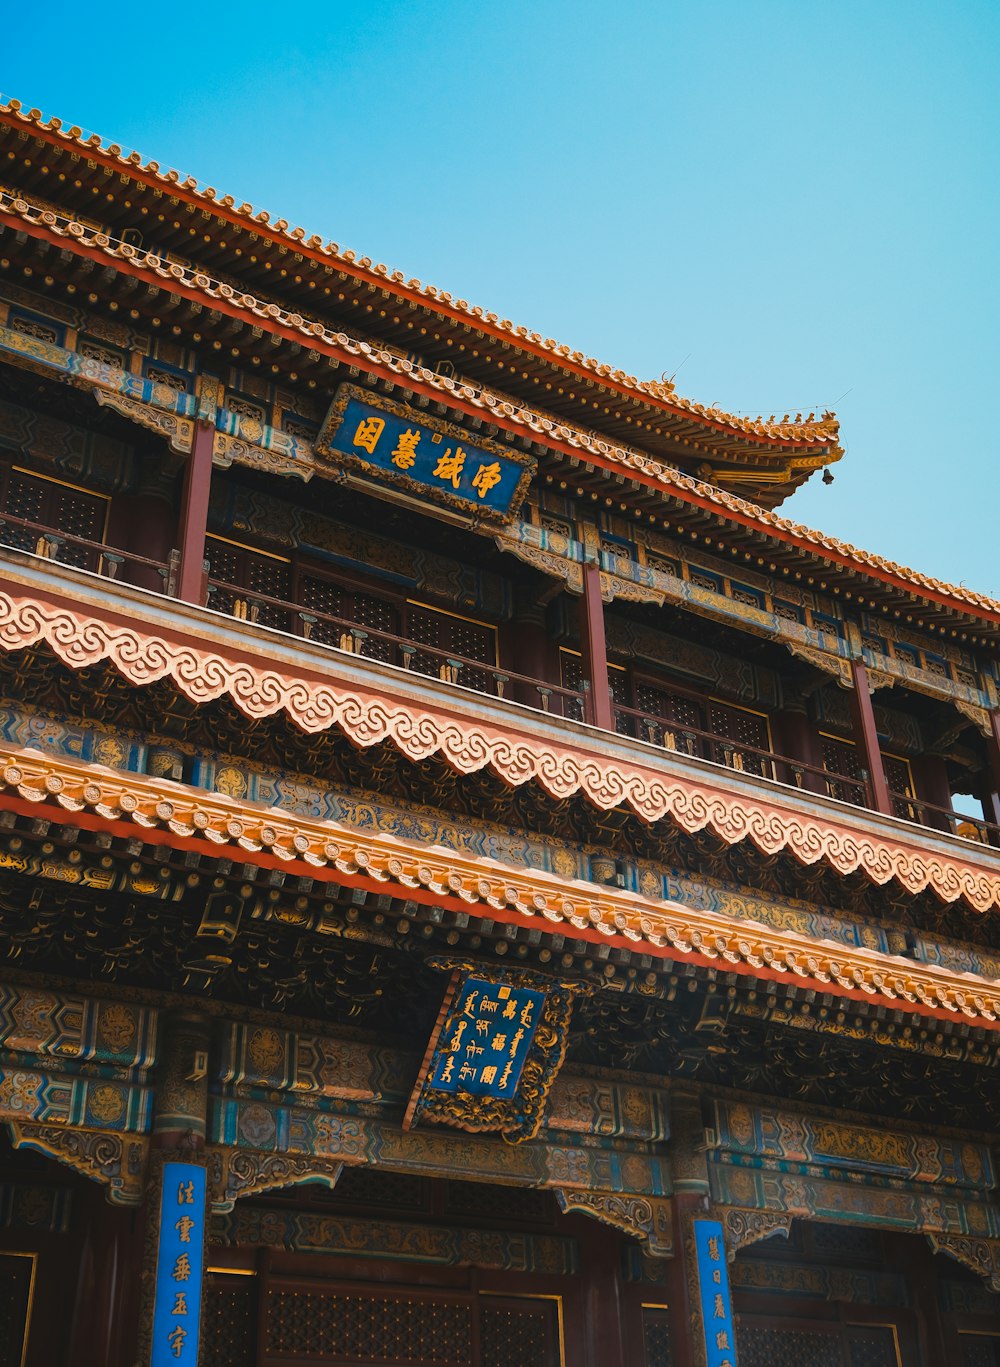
[479, 885]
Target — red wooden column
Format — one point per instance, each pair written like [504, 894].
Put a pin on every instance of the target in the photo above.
[866, 738]
[595, 650]
[194, 515]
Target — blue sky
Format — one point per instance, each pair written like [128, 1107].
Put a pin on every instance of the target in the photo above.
[793, 206]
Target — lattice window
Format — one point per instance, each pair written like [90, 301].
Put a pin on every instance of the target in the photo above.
[457, 638]
[388, 1328]
[498, 1203]
[59, 509]
[16, 1273]
[375, 1187]
[242, 578]
[656, 1337]
[229, 1322]
[979, 1350]
[841, 757]
[518, 1333]
[765, 1347]
[871, 1346]
[366, 612]
[744, 728]
[675, 714]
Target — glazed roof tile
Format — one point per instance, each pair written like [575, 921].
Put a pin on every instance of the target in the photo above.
[810, 431]
[665, 477]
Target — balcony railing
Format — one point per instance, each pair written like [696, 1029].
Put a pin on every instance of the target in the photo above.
[78, 551]
[400, 650]
[342, 634]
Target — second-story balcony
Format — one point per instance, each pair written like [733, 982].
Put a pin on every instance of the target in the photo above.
[421, 648]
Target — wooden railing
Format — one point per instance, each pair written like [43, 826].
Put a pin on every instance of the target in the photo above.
[710, 746]
[405, 652]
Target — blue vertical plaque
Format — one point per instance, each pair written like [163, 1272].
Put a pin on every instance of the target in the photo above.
[716, 1306]
[179, 1257]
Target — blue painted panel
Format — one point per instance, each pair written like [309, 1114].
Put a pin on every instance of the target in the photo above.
[179, 1258]
[716, 1305]
[486, 1039]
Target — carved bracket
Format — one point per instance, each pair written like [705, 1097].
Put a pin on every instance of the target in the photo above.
[745, 1227]
[981, 1256]
[117, 1160]
[177, 430]
[644, 1217]
[233, 1173]
[828, 663]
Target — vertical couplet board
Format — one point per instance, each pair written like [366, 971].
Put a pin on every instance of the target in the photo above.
[179, 1260]
[716, 1304]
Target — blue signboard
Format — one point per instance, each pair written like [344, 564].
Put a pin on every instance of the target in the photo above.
[179, 1257]
[428, 458]
[716, 1306]
[486, 1039]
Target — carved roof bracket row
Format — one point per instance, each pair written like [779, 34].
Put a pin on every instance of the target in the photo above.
[537, 430]
[318, 689]
[101, 798]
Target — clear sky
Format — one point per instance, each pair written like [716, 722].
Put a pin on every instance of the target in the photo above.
[792, 205]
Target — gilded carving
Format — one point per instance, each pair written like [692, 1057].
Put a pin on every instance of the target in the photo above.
[233, 1173]
[177, 430]
[981, 1256]
[644, 1217]
[745, 1227]
[369, 717]
[116, 1160]
[620, 916]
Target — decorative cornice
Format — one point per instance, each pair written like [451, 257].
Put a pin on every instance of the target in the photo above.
[745, 1227]
[981, 1256]
[518, 752]
[234, 1173]
[318, 848]
[644, 1217]
[116, 1160]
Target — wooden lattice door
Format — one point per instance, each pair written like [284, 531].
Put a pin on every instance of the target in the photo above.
[63, 509]
[243, 580]
[458, 639]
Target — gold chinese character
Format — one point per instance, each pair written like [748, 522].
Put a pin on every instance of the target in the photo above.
[184, 1226]
[489, 1075]
[722, 1339]
[486, 478]
[176, 1339]
[719, 1312]
[510, 1010]
[406, 449]
[499, 1042]
[185, 1194]
[180, 1303]
[368, 433]
[182, 1268]
[713, 1249]
[717, 1276]
[450, 466]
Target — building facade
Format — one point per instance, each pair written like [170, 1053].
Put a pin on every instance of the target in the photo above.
[479, 886]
